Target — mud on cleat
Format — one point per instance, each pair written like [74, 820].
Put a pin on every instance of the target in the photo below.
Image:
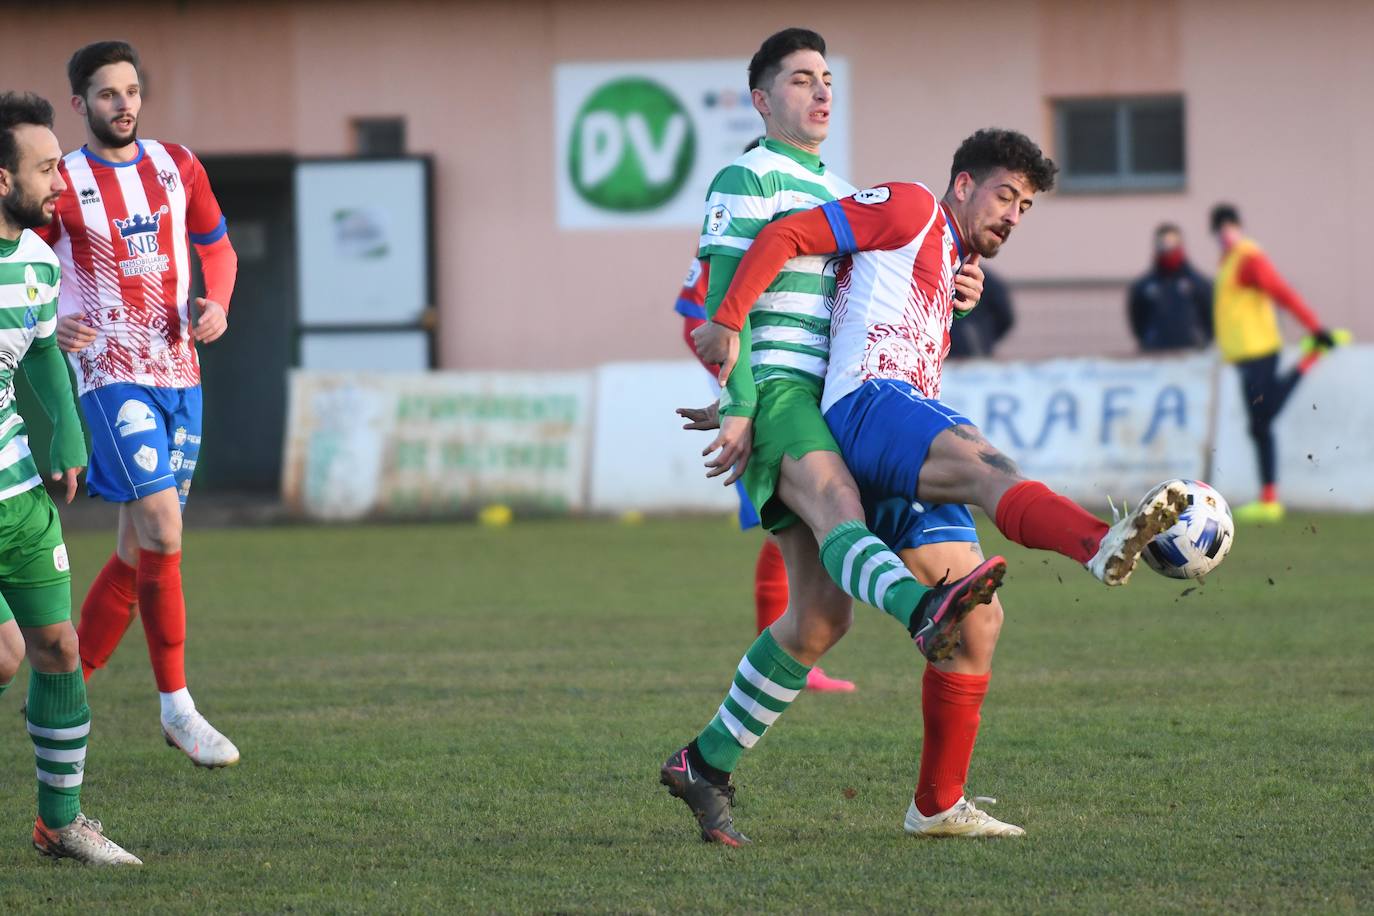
[1121, 546]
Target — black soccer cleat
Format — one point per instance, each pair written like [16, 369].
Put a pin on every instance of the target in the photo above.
[710, 804]
[935, 625]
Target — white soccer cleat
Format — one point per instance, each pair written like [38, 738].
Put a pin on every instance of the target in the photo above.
[83, 840]
[964, 819]
[1121, 545]
[198, 739]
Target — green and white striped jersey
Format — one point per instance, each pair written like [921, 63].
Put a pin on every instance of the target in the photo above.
[791, 321]
[28, 312]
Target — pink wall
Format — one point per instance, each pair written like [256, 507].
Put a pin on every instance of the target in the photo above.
[1276, 96]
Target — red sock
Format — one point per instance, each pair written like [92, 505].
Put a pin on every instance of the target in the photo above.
[1033, 515]
[949, 706]
[106, 614]
[164, 616]
[770, 585]
[1269, 493]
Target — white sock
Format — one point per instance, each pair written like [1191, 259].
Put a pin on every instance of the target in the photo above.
[176, 703]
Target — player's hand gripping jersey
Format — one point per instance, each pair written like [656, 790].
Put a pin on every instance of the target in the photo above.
[122, 229]
[895, 296]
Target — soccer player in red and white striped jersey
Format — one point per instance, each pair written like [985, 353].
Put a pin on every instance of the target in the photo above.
[123, 233]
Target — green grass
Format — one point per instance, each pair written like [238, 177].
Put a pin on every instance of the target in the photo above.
[439, 718]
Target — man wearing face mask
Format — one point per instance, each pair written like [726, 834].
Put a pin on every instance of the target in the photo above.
[1170, 308]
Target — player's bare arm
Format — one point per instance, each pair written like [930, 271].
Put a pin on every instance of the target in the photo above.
[73, 334]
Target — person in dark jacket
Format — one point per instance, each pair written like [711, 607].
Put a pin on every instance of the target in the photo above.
[1171, 306]
[977, 332]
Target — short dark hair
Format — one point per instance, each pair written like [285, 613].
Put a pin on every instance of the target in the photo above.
[1224, 214]
[18, 108]
[767, 61]
[81, 68]
[992, 148]
[1164, 229]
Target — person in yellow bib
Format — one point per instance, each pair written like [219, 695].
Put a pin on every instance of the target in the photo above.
[1247, 333]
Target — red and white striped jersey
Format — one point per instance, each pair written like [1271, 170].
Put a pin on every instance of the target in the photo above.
[123, 232]
[894, 297]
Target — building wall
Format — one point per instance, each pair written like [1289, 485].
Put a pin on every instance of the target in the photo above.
[1275, 122]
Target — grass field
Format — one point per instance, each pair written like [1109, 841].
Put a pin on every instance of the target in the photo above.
[439, 718]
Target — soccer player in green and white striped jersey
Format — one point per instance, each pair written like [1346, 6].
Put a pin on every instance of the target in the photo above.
[35, 578]
[774, 437]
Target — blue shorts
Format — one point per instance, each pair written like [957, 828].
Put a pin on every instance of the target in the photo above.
[884, 429]
[143, 440]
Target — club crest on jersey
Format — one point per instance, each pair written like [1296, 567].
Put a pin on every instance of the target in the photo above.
[168, 179]
[873, 196]
[30, 292]
[139, 233]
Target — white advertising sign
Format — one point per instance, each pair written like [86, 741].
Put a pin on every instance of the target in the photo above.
[638, 142]
[430, 444]
[362, 230]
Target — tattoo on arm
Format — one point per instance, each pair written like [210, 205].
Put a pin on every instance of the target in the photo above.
[995, 459]
[967, 433]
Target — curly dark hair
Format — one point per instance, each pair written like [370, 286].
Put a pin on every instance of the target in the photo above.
[83, 64]
[992, 148]
[767, 61]
[18, 108]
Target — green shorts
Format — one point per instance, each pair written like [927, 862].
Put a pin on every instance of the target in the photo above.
[35, 578]
[788, 422]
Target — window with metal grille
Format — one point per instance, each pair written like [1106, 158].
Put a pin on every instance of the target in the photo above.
[1121, 144]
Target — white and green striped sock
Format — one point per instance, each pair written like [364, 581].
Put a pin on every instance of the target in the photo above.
[766, 683]
[59, 724]
[867, 570]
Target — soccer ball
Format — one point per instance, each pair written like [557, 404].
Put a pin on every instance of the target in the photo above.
[1198, 541]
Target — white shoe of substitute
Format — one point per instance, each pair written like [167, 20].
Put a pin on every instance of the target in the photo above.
[964, 819]
[1121, 545]
[83, 840]
[198, 739]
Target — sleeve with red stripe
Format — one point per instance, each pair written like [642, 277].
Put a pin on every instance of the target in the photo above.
[1258, 272]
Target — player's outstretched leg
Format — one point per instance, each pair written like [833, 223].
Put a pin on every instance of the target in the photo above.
[59, 722]
[1121, 546]
[935, 626]
[1033, 515]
